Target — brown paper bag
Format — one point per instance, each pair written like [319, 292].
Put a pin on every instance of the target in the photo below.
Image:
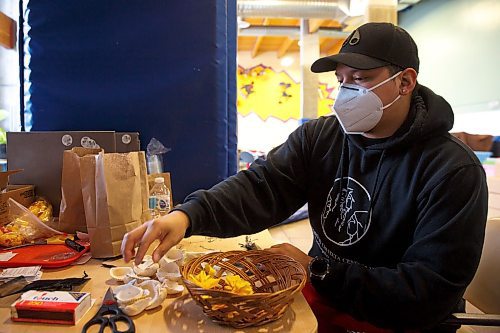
[115, 192]
[72, 212]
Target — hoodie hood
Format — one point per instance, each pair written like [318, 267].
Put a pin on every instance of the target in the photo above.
[430, 115]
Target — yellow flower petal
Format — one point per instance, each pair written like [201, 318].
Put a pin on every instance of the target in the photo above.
[238, 285]
[209, 270]
[203, 280]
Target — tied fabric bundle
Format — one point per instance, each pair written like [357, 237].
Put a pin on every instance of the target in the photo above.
[115, 197]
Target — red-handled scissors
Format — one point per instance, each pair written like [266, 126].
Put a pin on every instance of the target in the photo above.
[109, 315]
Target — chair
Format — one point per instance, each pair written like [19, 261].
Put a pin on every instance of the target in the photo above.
[483, 293]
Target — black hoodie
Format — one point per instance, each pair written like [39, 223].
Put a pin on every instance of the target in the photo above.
[406, 233]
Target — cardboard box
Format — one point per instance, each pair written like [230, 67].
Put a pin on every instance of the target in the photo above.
[56, 307]
[40, 155]
[24, 194]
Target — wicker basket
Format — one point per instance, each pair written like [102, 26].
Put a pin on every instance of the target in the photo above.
[274, 278]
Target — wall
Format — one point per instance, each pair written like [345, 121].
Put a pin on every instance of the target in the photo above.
[9, 75]
[255, 133]
[459, 47]
[165, 69]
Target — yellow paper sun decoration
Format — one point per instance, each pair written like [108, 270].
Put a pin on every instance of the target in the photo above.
[233, 283]
[203, 280]
[236, 285]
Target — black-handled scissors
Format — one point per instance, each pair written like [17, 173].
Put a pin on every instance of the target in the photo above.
[109, 315]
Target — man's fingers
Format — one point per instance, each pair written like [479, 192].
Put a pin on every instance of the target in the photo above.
[277, 248]
[143, 247]
[129, 242]
[152, 233]
[127, 248]
[168, 229]
[166, 244]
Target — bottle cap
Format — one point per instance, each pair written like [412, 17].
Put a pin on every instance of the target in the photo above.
[159, 180]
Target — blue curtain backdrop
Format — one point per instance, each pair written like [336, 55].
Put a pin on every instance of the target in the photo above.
[164, 68]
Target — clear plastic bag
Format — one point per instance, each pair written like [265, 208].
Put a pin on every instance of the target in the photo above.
[154, 155]
[25, 227]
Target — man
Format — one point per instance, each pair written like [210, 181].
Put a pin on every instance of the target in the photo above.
[397, 205]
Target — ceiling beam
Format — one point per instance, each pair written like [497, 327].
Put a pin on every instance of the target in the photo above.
[290, 31]
[255, 49]
[335, 48]
[282, 50]
[327, 43]
[314, 25]
[259, 39]
[7, 31]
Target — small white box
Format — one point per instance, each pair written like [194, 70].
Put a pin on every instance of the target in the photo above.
[56, 307]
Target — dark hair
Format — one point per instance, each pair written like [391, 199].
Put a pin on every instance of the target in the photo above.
[393, 69]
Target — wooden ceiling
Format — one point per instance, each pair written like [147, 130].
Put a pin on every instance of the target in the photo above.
[7, 31]
[261, 36]
[286, 44]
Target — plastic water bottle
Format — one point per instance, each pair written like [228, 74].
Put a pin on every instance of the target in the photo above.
[159, 198]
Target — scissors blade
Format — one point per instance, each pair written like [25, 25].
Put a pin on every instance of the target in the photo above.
[109, 298]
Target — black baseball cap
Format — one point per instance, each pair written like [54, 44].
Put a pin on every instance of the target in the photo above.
[373, 45]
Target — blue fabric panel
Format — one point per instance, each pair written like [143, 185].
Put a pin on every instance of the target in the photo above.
[231, 92]
[162, 68]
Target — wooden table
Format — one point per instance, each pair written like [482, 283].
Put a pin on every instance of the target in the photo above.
[179, 314]
[494, 195]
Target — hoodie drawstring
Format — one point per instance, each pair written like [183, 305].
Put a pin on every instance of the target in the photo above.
[374, 188]
[344, 159]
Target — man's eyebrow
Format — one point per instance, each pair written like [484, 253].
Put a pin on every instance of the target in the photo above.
[355, 71]
[361, 71]
[349, 71]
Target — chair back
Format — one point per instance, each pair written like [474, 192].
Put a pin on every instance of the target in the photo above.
[484, 290]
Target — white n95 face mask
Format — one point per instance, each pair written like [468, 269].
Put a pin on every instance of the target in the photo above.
[359, 109]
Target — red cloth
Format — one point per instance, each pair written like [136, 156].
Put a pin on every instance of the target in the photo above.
[333, 321]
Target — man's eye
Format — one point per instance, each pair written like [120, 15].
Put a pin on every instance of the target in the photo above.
[359, 78]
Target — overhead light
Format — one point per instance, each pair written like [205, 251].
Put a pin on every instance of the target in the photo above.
[242, 24]
[287, 61]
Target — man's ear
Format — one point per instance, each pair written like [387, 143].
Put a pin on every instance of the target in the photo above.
[408, 81]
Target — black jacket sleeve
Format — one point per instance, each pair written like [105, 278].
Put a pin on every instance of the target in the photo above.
[254, 199]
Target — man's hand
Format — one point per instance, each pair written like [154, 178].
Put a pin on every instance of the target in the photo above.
[293, 252]
[169, 229]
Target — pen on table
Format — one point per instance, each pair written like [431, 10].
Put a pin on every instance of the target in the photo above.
[74, 245]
